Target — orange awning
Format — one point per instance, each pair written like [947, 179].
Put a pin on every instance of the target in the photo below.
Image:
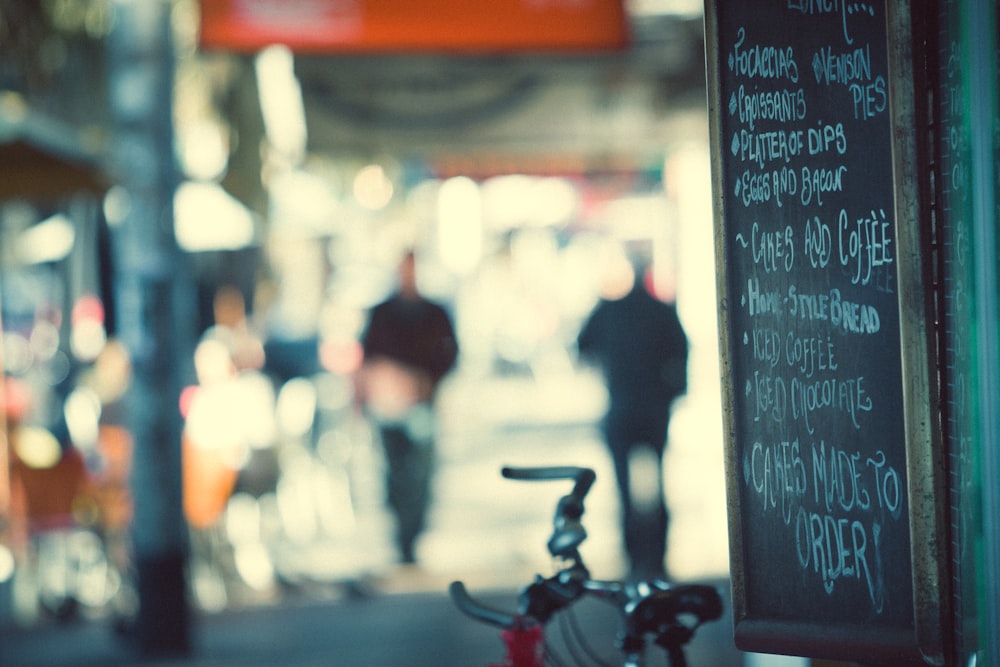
[457, 26]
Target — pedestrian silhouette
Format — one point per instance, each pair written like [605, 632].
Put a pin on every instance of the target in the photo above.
[409, 346]
[639, 345]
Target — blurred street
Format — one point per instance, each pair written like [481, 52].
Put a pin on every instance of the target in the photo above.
[415, 630]
[345, 601]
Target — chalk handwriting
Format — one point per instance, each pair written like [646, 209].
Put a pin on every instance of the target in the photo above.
[870, 99]
[845, 8]
[764, 147]
[865, 244]
[839, 548]
[817, 181]
[844, 315]
[843, 68]
[835, 501]
[762, 62]
[776, 398]
[813, 251]
[806, 354]
[782, 106]
[772, 251]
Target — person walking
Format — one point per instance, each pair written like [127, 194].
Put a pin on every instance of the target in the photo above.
[409, 346]
[639, 345]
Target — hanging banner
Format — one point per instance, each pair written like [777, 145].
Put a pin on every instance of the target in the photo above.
[374, 26]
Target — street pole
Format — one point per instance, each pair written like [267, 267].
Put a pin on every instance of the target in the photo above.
[152, 320]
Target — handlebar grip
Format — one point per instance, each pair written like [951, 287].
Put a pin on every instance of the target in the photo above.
[477, 610]
[583, 477]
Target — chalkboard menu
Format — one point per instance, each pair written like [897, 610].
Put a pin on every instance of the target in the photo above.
[815, 350]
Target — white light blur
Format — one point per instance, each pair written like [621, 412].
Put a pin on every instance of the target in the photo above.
[16, 349]
[638, 216]
[294, 499]
[281, 101]
[616, 274]
[518, 200]
[230, 410]
[678, 8]
[296, 406]
[87, 338]
[253, 562]
[203, 150]
[49, 241]
[87, 335]
[6, 564]
[206, 217]
[372, 187]
[117, 204]
[460, 225]
[504, 197]
[302, 203]
[555, 200]
[83, 413]
[243, 528]
[44, 340]
[689, 184]
[37, 448]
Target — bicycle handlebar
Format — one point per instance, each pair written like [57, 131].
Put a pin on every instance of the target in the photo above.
[649, 608]
[584, 477]
[568, 533]
[479, 611]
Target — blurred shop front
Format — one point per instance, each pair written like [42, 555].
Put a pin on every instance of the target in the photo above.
[203, 222]
[53, 297]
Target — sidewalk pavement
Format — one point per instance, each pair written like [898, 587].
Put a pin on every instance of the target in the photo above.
[353, 627]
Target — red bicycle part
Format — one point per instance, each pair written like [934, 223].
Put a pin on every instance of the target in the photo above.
[525, 647]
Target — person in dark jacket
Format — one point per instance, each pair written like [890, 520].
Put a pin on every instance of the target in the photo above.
[409, 346]
[640, 346]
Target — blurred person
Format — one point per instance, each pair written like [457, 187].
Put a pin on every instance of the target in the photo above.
[639, 345]
[292, 304]
[232, 328]
[214, 449]
[409, 346]
[229, 414]
[110, 379]
[244, 373]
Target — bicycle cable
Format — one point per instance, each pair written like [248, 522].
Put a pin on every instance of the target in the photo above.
[569, 625]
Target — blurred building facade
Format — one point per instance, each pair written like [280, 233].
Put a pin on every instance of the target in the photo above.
[146, 171]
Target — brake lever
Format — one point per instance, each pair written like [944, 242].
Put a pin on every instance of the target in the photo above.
[546, 596]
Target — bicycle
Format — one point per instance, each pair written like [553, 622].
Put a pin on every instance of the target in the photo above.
[669, 615]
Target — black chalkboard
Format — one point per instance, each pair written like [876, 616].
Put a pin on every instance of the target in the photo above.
[814, 354]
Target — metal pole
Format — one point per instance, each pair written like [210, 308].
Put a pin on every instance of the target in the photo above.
[151, 318]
